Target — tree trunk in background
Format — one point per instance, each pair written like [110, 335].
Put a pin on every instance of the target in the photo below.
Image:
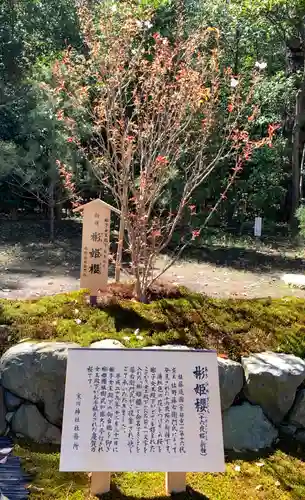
[295, 158]
[58, 210]
[51, 208]
[295, 64]
[236, 56]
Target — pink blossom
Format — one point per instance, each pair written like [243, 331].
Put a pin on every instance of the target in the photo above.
[195, 233]
[162, 160]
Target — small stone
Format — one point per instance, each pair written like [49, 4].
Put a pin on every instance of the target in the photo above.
[29, 422]
[245, 427]
[272, 380]
[297, 414]
[107, 344]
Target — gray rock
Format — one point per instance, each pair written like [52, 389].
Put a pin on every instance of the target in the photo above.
[8, 418]
[272, 380]
[297, 415]
[169, 346]
[12, 402]
[300, 436]
[36, 372]
[231, 381]
[245, 427]
[2, 413]
[29, 422]
[287, 429]
[107, 344]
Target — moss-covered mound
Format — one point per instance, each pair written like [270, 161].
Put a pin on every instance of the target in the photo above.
[231, 326]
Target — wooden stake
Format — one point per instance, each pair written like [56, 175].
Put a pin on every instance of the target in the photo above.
[175, 482]
[100, 483]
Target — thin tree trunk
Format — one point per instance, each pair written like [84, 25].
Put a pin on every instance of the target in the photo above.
[236, 57]
[118, 262]
[295, 160]
[51, 209]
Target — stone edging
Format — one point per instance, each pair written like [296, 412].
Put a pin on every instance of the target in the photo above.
[261, 397]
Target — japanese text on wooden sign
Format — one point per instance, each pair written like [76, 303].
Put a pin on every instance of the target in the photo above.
[95, 245]
[142, 410]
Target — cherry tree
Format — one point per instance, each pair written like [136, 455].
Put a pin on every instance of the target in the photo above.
[149, 110]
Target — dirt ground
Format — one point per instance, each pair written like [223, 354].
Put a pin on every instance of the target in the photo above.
[31, 267]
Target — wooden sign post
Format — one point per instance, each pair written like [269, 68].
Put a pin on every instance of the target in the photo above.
[126, 409]
[95, 246]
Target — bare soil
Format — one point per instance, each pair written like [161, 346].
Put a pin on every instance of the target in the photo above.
[30, 266]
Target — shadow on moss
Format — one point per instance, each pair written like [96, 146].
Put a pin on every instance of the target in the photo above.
[116, 494]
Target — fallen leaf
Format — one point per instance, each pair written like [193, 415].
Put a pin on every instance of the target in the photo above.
[260, 464]
[259, 487]
[5, 451]
[32, 487]
[237, 468]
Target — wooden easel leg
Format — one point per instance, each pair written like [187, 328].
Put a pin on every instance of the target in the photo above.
[100, 483]
[175, 482]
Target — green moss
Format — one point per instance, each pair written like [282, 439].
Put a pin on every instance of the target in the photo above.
[232, 326]
[282, 477]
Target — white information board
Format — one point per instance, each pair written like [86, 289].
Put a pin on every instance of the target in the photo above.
[142, 410]
[258, 226]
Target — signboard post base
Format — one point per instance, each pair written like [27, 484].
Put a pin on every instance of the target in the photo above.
[100, 483]
[175, 482]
